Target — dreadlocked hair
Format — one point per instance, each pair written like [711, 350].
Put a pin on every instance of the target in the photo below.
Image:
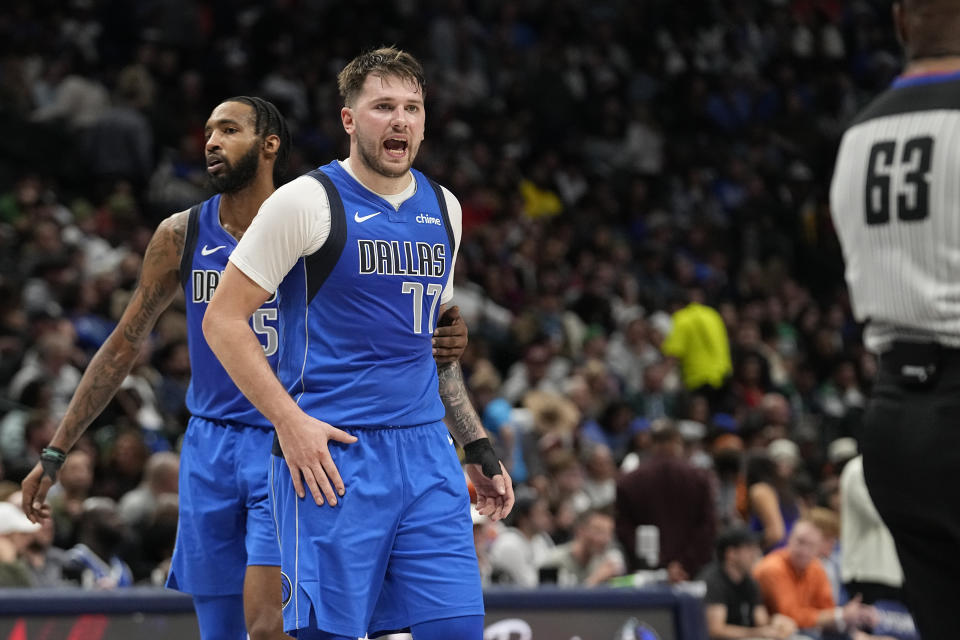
[268, 121]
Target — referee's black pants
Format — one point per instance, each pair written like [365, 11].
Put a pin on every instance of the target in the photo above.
[911, 461]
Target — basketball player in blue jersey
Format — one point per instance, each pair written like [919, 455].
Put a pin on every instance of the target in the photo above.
[361, 253]
[226, 554]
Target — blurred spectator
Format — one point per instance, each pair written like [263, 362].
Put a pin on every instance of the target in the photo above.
[772, 503]
[67, 497]
[520, 549]
[124, 463]
[698, 340]
[120, 141]
[667, 493]
[51, 362]
[733, 606]
[15, 535]
[484, 534]
[37, 431]
[158, 539]
[592, 557]
[36, 395]
[828, 522]
[161, 476]
[600, 483]
[539, 370]
[728, 457]
[615, 429]
[94, 562]
[43, 560]
[629, 354]
[793, 583]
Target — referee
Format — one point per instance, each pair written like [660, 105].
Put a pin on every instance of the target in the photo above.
[895, 201]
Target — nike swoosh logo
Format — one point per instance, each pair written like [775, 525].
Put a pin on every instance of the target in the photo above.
[360, 218]
[207, 252]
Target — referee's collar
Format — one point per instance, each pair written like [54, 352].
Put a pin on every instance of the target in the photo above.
[918, 79]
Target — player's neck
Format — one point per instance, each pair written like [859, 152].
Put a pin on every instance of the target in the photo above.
[377, 182]
[922, 66]
[238, 208]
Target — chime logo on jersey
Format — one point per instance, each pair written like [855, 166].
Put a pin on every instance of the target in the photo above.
[402, 258]
[205, 282]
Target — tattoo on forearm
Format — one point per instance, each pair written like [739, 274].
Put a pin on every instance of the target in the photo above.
[104, 376]
[159, 281]
[151, 301]
[462, 419]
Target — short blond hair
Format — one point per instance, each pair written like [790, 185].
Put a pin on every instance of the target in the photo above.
[826, 520]
[385, 61]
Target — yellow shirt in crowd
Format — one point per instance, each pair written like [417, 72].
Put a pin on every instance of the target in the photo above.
[699, 341]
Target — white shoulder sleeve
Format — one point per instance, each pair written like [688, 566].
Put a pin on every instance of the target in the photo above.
[455, 213]
[292, 223]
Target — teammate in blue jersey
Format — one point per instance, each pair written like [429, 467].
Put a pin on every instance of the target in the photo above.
[226, 554]
[361, 253]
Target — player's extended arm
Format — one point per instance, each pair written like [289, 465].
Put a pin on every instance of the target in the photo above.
[489, 477]
[159, 282]
[226, 327]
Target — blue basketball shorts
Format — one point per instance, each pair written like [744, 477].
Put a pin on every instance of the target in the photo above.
[397, 550]
[225, 520]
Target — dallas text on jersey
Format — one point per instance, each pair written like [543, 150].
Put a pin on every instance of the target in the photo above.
[396, 258]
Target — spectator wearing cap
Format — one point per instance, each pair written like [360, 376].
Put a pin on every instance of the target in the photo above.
[669, 493]
[43, 560]
[733, 606]
[520, 549]
[15, 533]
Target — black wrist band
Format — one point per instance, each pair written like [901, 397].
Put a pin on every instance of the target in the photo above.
[51, 459]
[481, 452]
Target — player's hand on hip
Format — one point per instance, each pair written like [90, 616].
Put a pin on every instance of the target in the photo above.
[494, 494]
[450, 337]
[34, 489]
[308, 457]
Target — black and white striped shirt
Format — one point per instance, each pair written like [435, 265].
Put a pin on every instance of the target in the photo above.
[895, 201]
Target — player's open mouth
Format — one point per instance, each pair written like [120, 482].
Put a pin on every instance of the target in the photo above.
[396, 147]
[214, 165]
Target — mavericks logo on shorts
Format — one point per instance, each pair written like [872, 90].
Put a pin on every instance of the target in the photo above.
[287, 588]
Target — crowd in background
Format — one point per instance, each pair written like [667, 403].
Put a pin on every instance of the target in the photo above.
[618, 162]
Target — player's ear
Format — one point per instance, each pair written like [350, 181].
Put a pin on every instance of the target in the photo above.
[271, 145]
[346, 116]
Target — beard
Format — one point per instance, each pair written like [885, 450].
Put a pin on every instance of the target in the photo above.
[370, 156]
[236, 177]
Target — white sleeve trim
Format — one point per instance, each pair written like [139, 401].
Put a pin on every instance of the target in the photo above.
[292, 223]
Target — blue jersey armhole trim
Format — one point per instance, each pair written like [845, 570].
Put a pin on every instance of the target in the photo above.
[189, 244]
[321, 263]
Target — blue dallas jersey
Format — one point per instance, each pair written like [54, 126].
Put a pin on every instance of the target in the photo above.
[212, 393]
[357, 317]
